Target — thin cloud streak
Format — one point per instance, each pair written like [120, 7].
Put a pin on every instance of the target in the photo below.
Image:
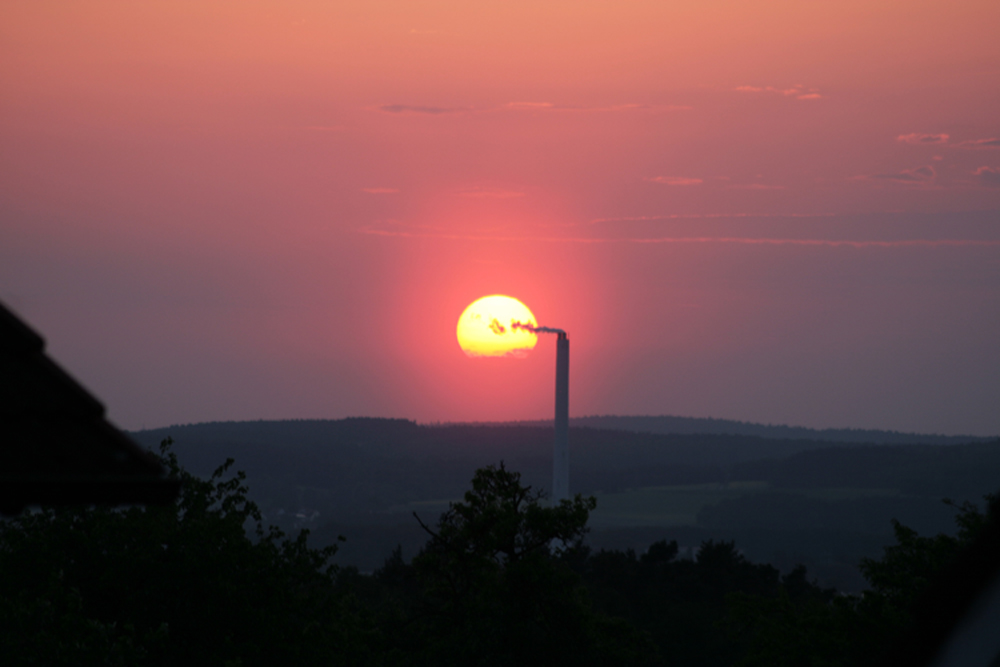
[688, 181]
[992, 142]
[798, 91]
[699, 216]
[492, 193]
[675, 180]
[755, 186]
[920, 175]
[922, 139]
[406, 109]
[325, 128]
[732, 240]
[907, 243]
[549, 106]
[919, 139]
[529, 106]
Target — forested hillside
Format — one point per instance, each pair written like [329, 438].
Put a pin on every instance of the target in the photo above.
[784, 501]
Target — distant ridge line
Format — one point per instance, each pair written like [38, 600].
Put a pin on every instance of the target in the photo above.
[659, 425]
[668, 424]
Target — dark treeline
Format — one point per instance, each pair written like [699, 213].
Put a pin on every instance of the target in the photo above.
[362, 477]
[501, 579]
[372, 464]
[922, 470]
[397, 461]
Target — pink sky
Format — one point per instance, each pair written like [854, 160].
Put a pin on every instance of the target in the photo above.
[782, 212]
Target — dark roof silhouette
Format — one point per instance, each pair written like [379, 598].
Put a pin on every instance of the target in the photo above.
[56, 447]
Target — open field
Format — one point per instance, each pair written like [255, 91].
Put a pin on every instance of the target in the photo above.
[664, 505]
[679, 505]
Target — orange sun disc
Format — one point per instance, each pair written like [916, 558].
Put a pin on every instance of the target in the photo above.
[486, 328]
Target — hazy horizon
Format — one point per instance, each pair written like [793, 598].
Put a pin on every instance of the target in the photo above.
[542, 421]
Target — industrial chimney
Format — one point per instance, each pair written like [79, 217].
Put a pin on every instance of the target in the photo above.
[560, 458]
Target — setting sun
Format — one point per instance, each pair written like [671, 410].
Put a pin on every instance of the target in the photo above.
[486, 328]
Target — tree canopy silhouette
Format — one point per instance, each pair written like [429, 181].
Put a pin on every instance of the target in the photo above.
[184, 583]
[494, 584]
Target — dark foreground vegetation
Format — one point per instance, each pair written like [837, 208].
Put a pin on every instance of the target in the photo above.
[502, 579]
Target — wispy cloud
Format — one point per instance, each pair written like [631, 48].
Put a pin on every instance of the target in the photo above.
[550, 106]
[988, 176]
[407, 108]
[992, 142]
[688, 181]
[526, 106]
[792, 230]
[494, 193]
[830, 243]
[380, 191]
[923, 139]
[920, 139]
[675, 180]
[798, 91]
[529, 106]
[920, 175]
[324, 128]
[708, 216]
[390, 227]
[754, 186]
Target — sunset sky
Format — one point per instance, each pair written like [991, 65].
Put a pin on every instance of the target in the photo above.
[783, 212]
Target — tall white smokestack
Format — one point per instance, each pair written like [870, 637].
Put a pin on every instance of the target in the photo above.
[560, 458]
[560, 452]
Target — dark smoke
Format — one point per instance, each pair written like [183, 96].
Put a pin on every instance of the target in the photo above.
[497, 327]
[528, 327]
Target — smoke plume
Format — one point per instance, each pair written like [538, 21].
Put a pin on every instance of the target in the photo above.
[528, 327]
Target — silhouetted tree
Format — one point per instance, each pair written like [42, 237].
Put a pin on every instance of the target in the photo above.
[852, 629]
[496, 589]
[682, 603]
[178, 584]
